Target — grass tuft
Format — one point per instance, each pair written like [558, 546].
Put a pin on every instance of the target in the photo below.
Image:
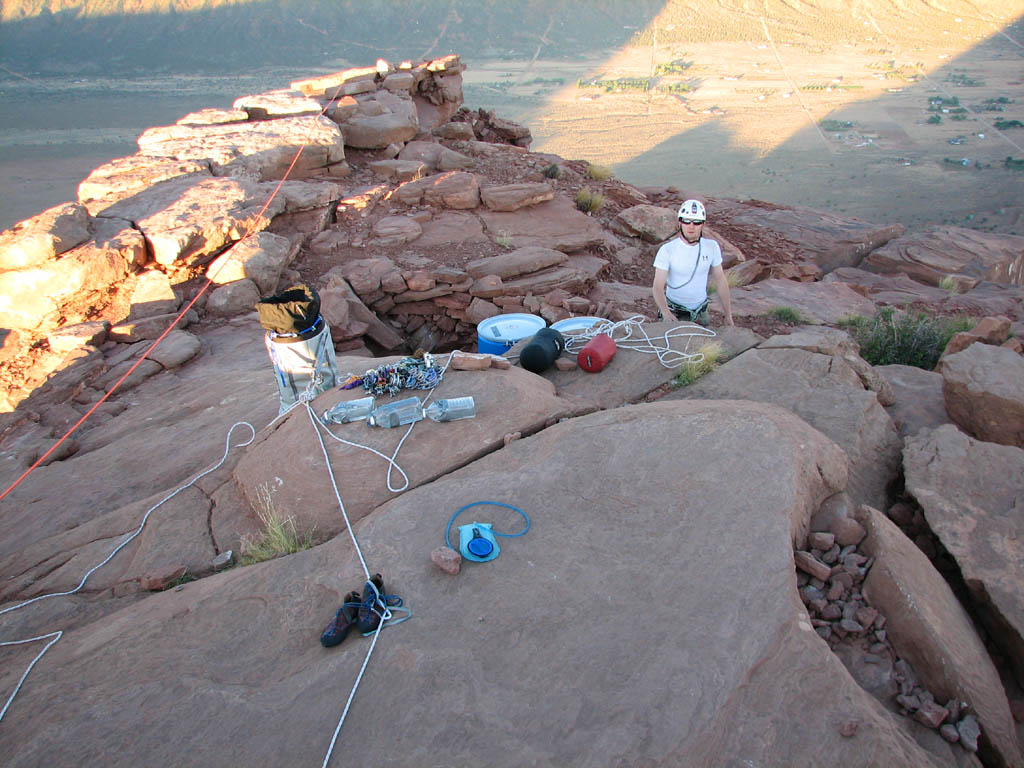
[599, 172]
[589, 201]
[787, 315]
[504, 239]
[279, 536]
[711, 353]
[903, 338]
[949, 283]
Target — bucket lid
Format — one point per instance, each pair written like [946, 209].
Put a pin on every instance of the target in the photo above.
[577, 324]
[510, 328]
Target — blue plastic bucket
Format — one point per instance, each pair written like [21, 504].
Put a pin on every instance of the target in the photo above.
[577, 324]
[496, 334]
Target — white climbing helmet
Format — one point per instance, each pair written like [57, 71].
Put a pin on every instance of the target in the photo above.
[693, 209]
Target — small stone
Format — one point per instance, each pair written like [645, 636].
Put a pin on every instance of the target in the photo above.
[949, 733]
[848, 729]
[865, 615]
[447, 559]
[832, 612]
[843, 578]
[808, 564]
[831, 556]
[511, 436]
[222, 561]
[1016, 707]
[161, 579]
[880, 635]
[931, 714]
[870, 658]
[901, 514]
[851, 626]
[905, 673]
[969, 731]
[880, 622]
[908, 702]
[953, 705]
[824, 632]
[818, 605]
[822, 541]
[817, 583]
[802, 579]
[854, 559]
[466, 361]
[807, 594]
[848, 549]
[566, 363]
[835, 591]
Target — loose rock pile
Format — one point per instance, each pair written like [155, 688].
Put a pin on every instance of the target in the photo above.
[829, 576]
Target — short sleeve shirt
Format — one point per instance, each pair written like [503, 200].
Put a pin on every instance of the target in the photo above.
[688, 267]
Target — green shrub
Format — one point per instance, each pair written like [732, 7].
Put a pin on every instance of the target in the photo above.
[895, 337]
[787, 315]
[589, 201]
[553, 171]
[934, 120]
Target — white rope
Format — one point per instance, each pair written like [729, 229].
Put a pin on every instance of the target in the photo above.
[631, 334]
[58, 634]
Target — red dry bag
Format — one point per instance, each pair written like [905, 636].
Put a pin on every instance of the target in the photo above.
[596, 354]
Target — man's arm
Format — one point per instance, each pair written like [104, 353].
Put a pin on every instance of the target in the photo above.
[660, 280]
[722, 289]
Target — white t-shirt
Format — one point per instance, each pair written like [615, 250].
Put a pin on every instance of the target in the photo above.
[686, 285]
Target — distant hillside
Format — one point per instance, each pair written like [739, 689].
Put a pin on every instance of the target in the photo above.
[218, 36]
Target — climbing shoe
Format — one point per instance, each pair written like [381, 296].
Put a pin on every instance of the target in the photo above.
[371, 604]
[346, 616]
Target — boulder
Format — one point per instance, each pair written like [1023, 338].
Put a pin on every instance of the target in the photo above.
[829, 395]
[262, 150]
[187, 221]
[152, 294]
[42, 238]
[125, 176]
[555, 224]
[648, 222]
[828, 240]
[512, 197]
[928, 627]
[970, 493]
[177, 348]
[918, 402]
[817, 302]
[939, 251]
[989, 330]
[280, 103]
[450, 228]
[233, 298]
[435, 156]
[514, 263]
[395, 230]
[455, 189]
[71, 337]
[378, 131]
[260, 257]
[983, 387]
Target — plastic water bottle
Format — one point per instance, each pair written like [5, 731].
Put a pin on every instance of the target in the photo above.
[349, 410]
[451, 409]
[397, 413]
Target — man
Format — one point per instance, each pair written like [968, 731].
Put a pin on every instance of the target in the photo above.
[681, 270]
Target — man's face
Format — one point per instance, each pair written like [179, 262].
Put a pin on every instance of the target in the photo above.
[690, 229]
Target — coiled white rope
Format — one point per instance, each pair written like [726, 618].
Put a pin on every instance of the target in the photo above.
[631, 334]
[58, 634]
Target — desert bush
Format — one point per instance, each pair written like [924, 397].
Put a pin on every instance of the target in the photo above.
[553, 171]
[895, 337]
[934, 120]
[707, 359]
[599, 172]
[279, 535]
[949, 283]
[589, 201]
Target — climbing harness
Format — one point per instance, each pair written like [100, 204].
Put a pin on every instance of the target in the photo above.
[477, 541]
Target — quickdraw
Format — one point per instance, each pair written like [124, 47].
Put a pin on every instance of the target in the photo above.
[409, 372]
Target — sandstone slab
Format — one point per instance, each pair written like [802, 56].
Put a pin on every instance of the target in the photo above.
[983, 387]
[739, 708]
[515, 263]
[556, 224]
[512, 197]
[929, 628]
[41, 238]
[279, 103]
[455, 189]
[177, 348]
[970, 493]
[817, 302]
[435, 156]
[829, 395]
[126, 176]
[918, 400]
[937, 252]
[648, 222]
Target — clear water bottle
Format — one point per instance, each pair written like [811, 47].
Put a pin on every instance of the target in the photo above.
[451, 409]
[349, 410]
[397, 413]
